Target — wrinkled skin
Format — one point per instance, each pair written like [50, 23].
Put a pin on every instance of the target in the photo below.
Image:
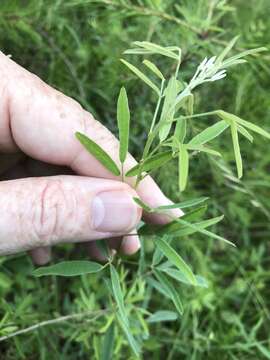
[50, 182]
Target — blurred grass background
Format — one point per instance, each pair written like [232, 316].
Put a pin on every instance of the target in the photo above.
[75, 46]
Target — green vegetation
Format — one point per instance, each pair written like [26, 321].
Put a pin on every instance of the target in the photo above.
[227, 313]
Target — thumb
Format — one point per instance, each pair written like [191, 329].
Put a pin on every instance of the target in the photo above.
[49, 210]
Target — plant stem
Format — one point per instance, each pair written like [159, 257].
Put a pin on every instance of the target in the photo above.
[198, 115]
[157, 107]
[122, 173]
[96, 314]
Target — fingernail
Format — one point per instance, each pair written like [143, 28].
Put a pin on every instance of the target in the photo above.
[114, 211]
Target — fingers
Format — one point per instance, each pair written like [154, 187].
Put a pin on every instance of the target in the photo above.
[41, 122]
[130, 243]
[41, 255]
[126, 245]
[40, 212]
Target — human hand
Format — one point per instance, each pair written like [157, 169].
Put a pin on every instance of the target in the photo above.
[82, 204]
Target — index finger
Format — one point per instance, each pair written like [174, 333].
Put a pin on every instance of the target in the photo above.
[41, 122]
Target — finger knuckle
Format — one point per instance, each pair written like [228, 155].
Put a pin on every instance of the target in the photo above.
[52, 208]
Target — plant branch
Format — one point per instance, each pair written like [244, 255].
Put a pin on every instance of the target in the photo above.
[96, 314]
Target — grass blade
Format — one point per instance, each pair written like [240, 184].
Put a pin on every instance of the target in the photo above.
[175, 259]
[95, 150]
[69, 268]
[141, 75]
[123, 119]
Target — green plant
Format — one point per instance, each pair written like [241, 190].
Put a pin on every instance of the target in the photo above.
[166, 141]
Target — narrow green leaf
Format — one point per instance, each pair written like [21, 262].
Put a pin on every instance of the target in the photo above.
[95, 150]
[170, 291]
[103, 248]
[180, 230]
[123, 119]
[230, 61]
[181, 277]
[190, 104]
[158, 255]
[236, 149]
[69, 268]
[236, 62]
[158, 286]
[202, 148]
[161, 208]
[151, 163]
[183, 166]
[231, 117]
[227, 49]
[209, 134]
[162, 315]
[263, 350]
[175, 259]
[137, 52]
[185, 230]
[108, 344]
[180, 132]
[172, 227]
[168, 109]
[117, 292]
[195, 214]
[154, 69]
[143, 205]
[183, 204]
[203, 231]
[141, 75]
[253, 127]
[130, 338]
[121, 313]
[244, 132]
[156, 49]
